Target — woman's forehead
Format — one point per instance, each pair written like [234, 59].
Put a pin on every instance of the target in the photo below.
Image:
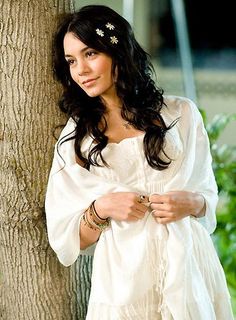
[72, 43]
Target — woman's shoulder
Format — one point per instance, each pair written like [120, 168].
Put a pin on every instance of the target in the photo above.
[181, 108]
[179, 104]
[68, 129]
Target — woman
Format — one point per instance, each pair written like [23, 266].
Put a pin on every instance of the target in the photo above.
[132, 174]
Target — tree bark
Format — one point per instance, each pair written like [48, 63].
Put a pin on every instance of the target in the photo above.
[33, 284]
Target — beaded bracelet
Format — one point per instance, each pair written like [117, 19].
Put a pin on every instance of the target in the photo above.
[89, 221]
[103, 224]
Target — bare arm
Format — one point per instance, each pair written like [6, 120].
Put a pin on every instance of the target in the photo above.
[88, 236]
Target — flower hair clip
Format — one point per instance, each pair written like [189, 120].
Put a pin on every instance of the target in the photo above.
[113, 40]
[100, 32]
[111, 27]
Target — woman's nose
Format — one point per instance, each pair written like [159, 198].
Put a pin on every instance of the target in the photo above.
[82, 68]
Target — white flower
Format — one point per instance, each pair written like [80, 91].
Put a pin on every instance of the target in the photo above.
[110, 26]
[114, 40]
[100, 32]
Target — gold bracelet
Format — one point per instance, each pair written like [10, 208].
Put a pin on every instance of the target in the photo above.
[102, 225]
[87, 223]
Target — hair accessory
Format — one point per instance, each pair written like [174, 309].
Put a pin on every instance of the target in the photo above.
[100, 32]
[114, 40]
[110, 26]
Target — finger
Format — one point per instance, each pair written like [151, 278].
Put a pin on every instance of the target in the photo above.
[163, 220]
[159, 214]
[138, 214]
[132, 218]
[154, 197]
[165, 214]
[141, 207]
[163, 198]
[162, 207]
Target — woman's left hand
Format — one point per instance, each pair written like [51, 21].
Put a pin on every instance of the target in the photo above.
[176, 205]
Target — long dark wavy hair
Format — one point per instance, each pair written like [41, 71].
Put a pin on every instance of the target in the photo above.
[142, 100]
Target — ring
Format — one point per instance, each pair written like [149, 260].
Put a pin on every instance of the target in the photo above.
[141, 198]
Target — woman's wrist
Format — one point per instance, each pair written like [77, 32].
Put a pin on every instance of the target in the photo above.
[98, 211]
[93, 221]
[201, 206]
[202, 212]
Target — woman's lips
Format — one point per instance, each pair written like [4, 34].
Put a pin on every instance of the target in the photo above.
[89, 82]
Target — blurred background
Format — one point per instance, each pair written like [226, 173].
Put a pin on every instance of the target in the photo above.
[193, 49]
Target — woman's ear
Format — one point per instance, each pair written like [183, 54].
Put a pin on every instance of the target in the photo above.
[115, 74]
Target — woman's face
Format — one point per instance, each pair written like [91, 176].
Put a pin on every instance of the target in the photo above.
[90, 69]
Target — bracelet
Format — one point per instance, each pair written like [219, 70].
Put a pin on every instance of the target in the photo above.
[105, 223]
[96, 214]
[87, 223]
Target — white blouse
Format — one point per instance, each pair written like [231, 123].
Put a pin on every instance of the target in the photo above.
[132, 261]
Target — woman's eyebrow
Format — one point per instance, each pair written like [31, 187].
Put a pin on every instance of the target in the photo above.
[81, 51]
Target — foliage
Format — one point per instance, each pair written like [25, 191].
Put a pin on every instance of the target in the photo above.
[224, 165]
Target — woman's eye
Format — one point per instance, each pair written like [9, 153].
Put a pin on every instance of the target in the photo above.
[90, 53]
[70, 61]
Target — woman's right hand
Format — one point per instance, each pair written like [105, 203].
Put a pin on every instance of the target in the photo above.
[121, 206]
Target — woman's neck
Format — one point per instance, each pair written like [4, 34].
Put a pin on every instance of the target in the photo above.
[111, 102]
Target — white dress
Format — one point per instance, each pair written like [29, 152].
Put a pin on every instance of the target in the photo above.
[143, 270]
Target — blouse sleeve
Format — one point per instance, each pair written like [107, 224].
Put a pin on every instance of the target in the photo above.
[195, 170]
[71, 189]
[203, 179]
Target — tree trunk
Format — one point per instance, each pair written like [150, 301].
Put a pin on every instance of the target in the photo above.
[33, 284]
